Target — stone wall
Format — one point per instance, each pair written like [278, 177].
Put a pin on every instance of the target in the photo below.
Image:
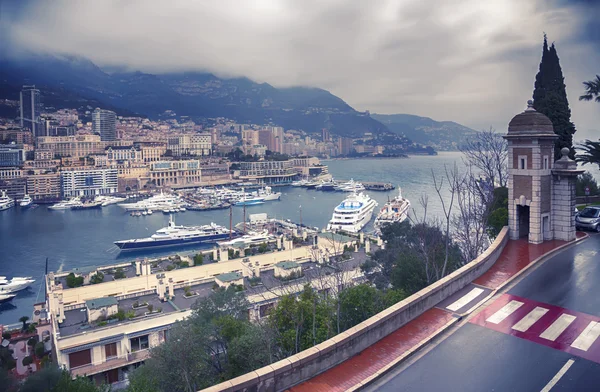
[563, 207]
[309, 363]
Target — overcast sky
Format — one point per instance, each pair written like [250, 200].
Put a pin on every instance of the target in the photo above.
[470, 61]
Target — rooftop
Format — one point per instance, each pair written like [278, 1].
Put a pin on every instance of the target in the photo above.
[287, 265]
[99, 303]
[229, 276]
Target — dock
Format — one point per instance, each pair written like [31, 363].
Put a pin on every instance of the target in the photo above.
[378, 186]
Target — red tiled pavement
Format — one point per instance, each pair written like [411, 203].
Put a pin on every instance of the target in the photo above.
[369, 361]
[516, 255]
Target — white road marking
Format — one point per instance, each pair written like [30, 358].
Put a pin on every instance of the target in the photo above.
[532, 317]
[589, 335]
[503, 313]
[558, 376]
[558, 327]
[465, 299]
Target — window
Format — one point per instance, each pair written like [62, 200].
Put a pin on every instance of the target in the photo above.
[545, 163]
[522, 163]
[80, 358]
[110, 350]
[139, 343]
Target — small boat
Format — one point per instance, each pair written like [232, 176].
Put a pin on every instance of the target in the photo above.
[87, 205]
[182, 209]
[149, 212]
[144, 213]
[395, 210]
[26, 202]
[303, 182]
[6, 297]
[268, 194]
[66, 204]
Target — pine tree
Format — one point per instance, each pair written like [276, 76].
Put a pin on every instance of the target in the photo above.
[550, 98]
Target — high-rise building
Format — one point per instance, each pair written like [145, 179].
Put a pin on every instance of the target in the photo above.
[325, 135]
[104, 124]
[31, 110]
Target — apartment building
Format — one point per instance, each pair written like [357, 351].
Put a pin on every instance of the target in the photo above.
[190, 145]
[268, 172]
[11, 155]
[151, 151]
[88, 182]
[44, 187]
[76, 147]
[104, 330]
[121, 155]
[176, 173]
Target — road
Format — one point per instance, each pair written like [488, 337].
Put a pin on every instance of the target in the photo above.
[542, 334]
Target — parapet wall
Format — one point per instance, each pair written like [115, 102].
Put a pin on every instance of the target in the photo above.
[309, 363]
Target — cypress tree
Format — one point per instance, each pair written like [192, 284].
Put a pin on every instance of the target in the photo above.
[550, 98]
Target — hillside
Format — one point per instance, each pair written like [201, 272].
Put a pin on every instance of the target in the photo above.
[442, 135]
[66, 79]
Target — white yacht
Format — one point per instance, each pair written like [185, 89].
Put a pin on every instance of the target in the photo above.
[353, 213]
[395, 210]
[302, 182]
[26, 202]
[252, 238]
[5, 201]
[350, 186]
[67, 204]
[15, 284]
[108, 200]
[268, 194]
[157, 202]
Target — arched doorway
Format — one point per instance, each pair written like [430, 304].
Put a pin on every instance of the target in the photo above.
[523, 219]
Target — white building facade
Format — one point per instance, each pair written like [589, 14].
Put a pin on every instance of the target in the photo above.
[88, 182]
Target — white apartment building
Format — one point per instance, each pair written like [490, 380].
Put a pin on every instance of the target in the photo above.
[194, 144]
[88, 182]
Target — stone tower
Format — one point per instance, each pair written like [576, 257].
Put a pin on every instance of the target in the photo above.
[541, 193]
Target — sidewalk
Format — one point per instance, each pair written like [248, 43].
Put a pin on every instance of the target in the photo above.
[516, 256]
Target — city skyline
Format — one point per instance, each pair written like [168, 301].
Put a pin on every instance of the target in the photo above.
[472, 72]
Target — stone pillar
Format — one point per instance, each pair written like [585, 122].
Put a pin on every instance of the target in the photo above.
[224, 254]
[304, 235]
[171, 288]
[279, 243]
[361, 238]
[564, 176]
[138, 267]
[367, 246]
[257, 270]
[215, 254]
[160, 289]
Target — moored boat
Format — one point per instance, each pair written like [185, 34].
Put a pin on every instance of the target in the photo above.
[26, 202]
[5, 201]
[395, 210]
[353, 213]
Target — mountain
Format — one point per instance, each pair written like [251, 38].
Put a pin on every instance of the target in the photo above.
[68, 79]
[442, 135]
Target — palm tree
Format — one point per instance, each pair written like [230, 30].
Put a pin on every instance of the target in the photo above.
[592, 89]
[24, 321]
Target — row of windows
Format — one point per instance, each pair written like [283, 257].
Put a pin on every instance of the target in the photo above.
[84, 357]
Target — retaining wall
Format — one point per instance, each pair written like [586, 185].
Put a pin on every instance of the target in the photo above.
[309, 363]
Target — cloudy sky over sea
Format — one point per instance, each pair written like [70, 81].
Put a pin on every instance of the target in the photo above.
[469, 61]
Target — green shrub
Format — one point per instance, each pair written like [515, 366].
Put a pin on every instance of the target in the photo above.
[28, 360]
[97, 278]
[39, 349]
[102, 323]
[150, 308]
[130, 314]
[32, 341]
[6, 335]
[74, 281]
[170, 267]
[119, 273]
[199, 259]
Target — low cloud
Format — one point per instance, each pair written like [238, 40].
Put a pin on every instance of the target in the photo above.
[470, 61]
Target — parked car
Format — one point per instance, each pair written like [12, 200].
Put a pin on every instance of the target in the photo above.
[588, 218]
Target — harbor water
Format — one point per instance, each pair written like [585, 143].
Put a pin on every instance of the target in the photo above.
[71, 239]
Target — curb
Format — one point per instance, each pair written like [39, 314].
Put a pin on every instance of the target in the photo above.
[407, 354]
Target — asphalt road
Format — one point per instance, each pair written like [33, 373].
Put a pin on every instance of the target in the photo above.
[476, 358]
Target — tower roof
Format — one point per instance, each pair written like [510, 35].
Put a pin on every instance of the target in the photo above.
[530, 122]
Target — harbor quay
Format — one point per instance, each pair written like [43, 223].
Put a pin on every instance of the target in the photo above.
[104, 320]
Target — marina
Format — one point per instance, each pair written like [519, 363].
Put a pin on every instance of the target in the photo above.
[84, 238]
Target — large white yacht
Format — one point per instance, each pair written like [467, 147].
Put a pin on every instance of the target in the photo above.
[252, 238]
[108, 200]
[15, 284]
[353, 213]
[5, 201]
[67, 204]
[350, 186]
[26, 202]
[174, 235]
[268, 194]
[157, 202]
[395, 210]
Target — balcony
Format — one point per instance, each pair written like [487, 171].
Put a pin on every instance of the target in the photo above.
[111, 363]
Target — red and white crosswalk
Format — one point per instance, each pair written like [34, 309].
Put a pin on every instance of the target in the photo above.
[562, 329]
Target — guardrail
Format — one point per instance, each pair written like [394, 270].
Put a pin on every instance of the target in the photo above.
[309, 363]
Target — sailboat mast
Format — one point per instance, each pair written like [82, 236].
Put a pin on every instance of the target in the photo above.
[230, 221]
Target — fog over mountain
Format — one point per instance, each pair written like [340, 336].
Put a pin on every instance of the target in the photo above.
[467, 61]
